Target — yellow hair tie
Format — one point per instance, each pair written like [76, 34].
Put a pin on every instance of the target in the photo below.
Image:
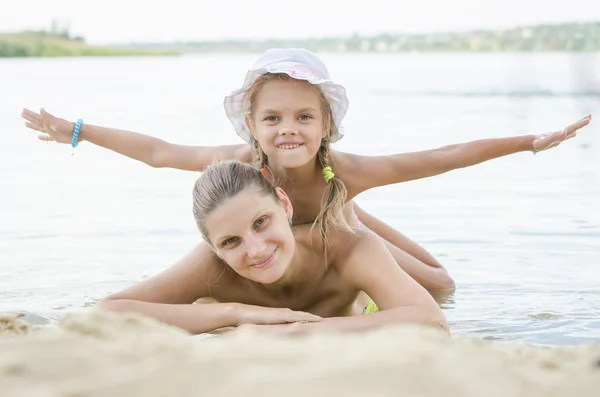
[328, 174]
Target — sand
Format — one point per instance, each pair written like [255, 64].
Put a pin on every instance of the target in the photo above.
[95, 354]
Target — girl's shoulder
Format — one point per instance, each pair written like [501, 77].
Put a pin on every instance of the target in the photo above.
[345, 159]
[345, 166]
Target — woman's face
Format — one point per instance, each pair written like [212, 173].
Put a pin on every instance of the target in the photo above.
[252, 234]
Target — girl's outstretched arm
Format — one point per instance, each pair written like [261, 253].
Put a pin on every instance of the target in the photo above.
[365, 172]
[152, 151]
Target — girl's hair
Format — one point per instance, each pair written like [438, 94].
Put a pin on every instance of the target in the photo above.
[222, 181]
[334, 197]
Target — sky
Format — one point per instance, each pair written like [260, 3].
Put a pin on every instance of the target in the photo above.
[125, 21]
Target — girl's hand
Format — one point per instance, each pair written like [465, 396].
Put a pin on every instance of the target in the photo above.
[552, 139]
[52, 128]
[248, 314]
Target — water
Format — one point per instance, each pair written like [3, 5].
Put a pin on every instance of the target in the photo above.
[520, 235]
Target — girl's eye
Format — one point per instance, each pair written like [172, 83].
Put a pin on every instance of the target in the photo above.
[229, 241]
[306, 117]
[270, 118]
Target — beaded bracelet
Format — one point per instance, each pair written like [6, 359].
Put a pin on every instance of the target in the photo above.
[76, 133]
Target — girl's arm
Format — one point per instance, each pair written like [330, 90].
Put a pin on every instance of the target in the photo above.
[152, 151]
[169, 297]
[366, 172]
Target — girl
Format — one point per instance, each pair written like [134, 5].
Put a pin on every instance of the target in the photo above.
[258, 263]
[289, 111]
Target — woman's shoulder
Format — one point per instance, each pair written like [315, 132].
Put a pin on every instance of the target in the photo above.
[214, 272]
[341, 244]
[344, 245]
[353, 253]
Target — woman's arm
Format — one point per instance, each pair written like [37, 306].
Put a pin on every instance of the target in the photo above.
[152, 151]
[371, 268]
[412, 258]
[170, 295]
[366, 172]
[194, 318]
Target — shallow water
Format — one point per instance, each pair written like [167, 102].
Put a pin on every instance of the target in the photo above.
[520, 235]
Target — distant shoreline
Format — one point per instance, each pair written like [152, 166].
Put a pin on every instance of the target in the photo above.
[567, 38]
[40, 45]
[572, 38]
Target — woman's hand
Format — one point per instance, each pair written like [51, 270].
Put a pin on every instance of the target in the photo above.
[287, 329]
[52, 128]
[257, 315]
[552, 139]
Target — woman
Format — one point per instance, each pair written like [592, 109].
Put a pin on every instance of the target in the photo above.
[258, 264]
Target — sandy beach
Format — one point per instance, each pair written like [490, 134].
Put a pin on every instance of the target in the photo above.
[103, 354]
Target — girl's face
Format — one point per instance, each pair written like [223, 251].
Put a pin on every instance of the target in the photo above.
[287, 121]
[252, 234]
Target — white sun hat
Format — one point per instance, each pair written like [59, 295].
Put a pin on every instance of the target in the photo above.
[300, 64]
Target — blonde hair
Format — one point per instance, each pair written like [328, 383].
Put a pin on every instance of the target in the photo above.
[334, 198]
[222, 181]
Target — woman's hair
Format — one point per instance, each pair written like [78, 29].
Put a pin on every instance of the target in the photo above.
[334, 197]
[222, 181]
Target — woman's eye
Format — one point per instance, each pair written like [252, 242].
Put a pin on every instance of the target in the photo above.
[229, 241]
[260, 222]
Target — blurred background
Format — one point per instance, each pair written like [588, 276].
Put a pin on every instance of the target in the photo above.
[520, 234]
